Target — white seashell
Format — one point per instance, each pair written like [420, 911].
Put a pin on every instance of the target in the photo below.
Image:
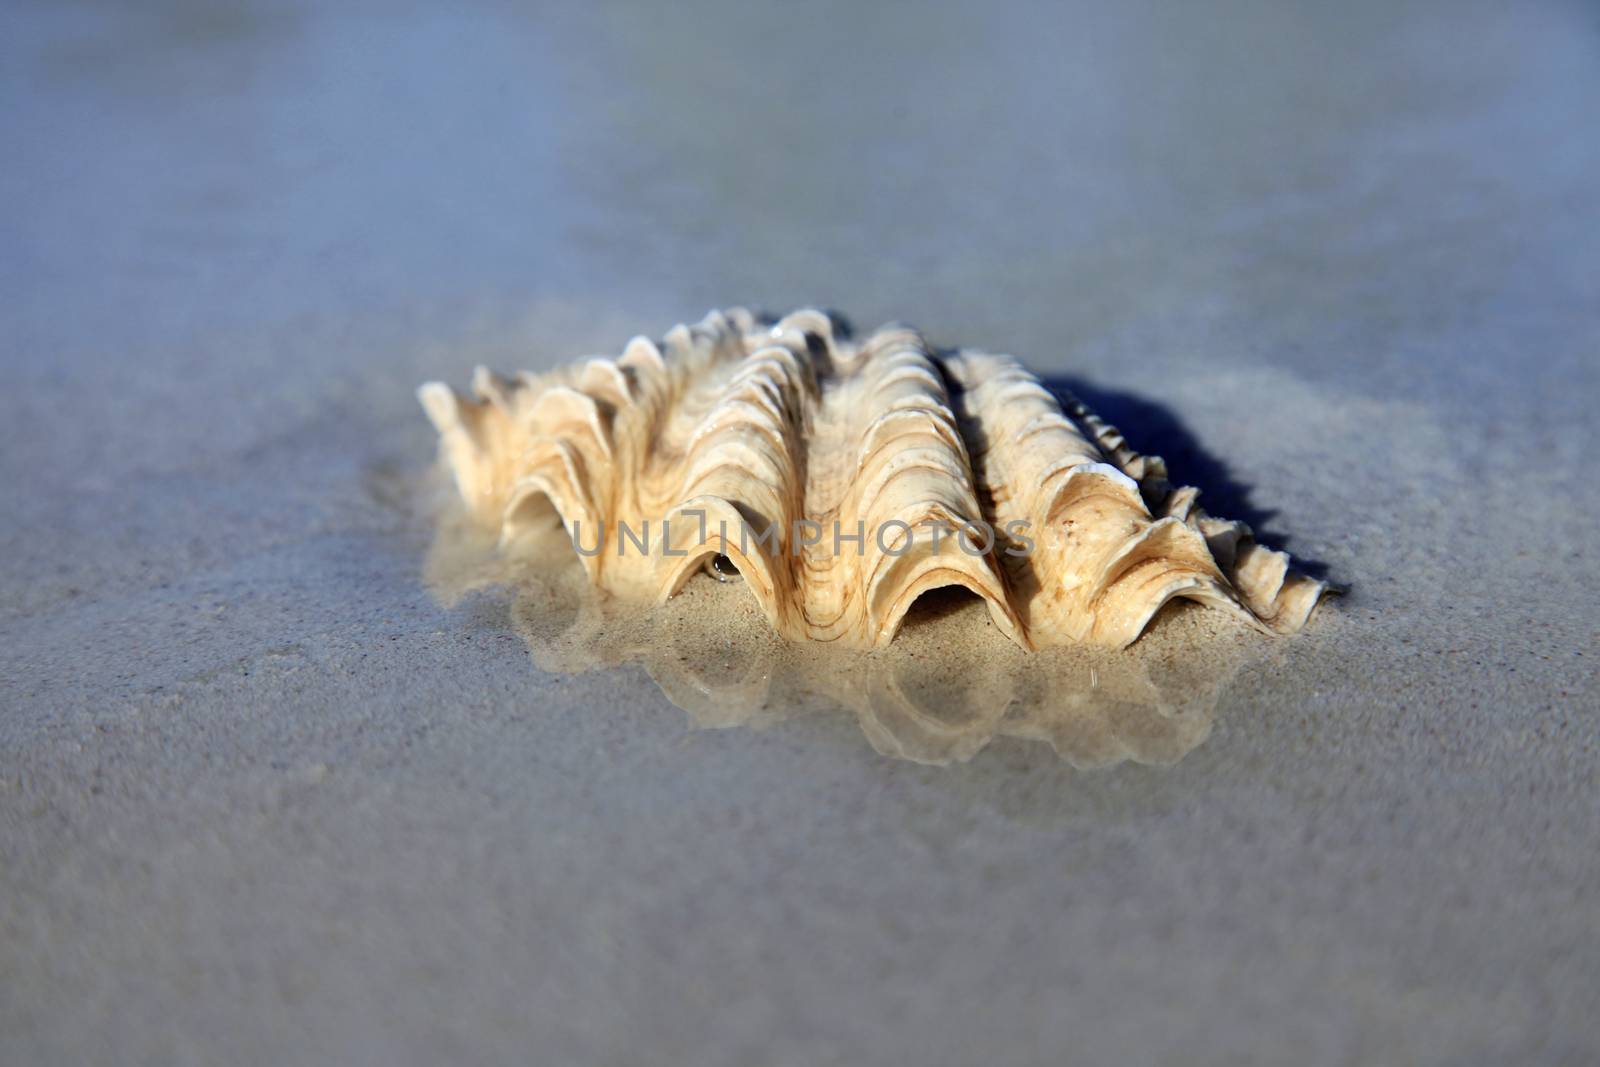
[824, 471]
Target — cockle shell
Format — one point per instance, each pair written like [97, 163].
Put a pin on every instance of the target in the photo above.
[821, 469]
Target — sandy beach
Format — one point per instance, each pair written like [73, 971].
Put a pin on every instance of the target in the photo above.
[267, 796]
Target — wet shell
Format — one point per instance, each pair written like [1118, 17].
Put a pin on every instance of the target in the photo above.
[776, 446]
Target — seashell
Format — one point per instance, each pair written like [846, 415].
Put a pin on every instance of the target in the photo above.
[843, 480]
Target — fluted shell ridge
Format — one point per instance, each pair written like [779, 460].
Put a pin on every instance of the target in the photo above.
[823, 468]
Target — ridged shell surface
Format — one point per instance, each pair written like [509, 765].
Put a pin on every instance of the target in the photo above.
[844, 479]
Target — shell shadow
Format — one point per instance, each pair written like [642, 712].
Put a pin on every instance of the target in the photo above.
[1155, 429]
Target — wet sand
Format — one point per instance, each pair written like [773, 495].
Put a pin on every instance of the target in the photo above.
[266, 798]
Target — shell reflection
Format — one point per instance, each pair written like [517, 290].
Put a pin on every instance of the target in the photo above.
[948, 687]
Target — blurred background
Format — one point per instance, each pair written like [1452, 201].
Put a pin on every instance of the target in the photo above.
[1027, 176]
[264, 801]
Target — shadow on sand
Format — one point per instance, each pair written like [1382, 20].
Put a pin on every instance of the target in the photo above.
[1155, 430]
